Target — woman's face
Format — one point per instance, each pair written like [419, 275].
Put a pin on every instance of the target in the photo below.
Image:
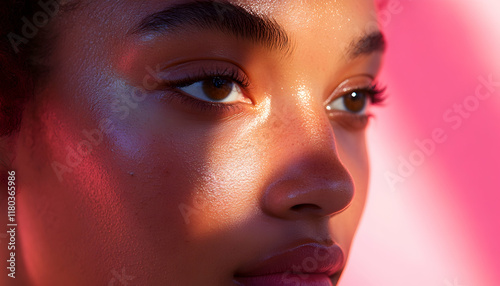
[204, 145]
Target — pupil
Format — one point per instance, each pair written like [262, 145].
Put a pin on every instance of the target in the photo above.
[355, 101]
[217, 88]
[218, 82]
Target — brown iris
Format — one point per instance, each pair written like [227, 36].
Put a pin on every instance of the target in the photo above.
[217, 88]
[355, 101]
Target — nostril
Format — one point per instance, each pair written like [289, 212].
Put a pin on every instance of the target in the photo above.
[305, 207]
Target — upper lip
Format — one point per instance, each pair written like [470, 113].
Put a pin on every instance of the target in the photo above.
[311, 258]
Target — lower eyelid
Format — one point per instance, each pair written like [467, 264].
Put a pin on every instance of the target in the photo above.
[349, 121]
[190, 104]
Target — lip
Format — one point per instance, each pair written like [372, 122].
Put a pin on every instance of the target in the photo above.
[308, 264]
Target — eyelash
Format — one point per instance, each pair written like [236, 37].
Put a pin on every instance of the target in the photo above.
[375, 92]
[352, 121]
[378, 95]
[226, 73]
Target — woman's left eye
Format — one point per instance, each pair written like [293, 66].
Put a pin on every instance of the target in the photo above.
[215, 89]
[354, 102]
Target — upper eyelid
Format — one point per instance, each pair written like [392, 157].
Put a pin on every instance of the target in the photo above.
[230, 71]
[344, 90]
[192, 79]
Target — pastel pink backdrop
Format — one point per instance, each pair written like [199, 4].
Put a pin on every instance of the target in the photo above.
[439, 226]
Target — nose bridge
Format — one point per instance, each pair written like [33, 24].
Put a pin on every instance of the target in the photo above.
[309, 178]
[303, 121]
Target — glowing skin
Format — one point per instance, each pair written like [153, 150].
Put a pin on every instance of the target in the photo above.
[178, 194]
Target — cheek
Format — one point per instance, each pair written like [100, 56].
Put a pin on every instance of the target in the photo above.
[351, 147]
[222, 178]
[128, 192]
[352, 151]
[185, 178]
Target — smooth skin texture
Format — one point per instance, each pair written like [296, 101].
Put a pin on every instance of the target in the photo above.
[175, 193]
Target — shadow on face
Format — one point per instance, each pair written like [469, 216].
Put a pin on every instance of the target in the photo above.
[195, 143]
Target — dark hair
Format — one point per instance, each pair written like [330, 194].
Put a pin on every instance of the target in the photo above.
[16, 77]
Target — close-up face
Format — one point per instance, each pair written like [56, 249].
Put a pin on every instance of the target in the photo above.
[198, 143]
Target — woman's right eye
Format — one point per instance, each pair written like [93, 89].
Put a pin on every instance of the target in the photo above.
[215, 89]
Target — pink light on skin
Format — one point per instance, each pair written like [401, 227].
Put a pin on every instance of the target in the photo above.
[89, 174]
[440, 226]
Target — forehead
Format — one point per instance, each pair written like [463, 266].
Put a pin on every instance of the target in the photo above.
[306, 12]
[310, 22]
[295, 15]
[324, 30]
[319, 22]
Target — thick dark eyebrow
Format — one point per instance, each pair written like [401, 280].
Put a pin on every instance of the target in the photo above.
[366, 45]
[219, 16]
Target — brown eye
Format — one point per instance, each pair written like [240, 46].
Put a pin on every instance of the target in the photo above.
[352, 102]
[355, 101]
[217, 88]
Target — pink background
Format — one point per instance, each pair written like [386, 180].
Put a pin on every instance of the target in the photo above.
[441, 225]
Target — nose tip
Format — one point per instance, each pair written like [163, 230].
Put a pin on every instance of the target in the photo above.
[303, 193]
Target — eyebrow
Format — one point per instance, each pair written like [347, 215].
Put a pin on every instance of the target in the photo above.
[366, 45]
[229, 18]
[219, 16]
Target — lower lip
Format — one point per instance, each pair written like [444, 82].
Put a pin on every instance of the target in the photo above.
[286, 279]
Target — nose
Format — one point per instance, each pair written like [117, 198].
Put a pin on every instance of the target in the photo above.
[311, 181]
[311, 187]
